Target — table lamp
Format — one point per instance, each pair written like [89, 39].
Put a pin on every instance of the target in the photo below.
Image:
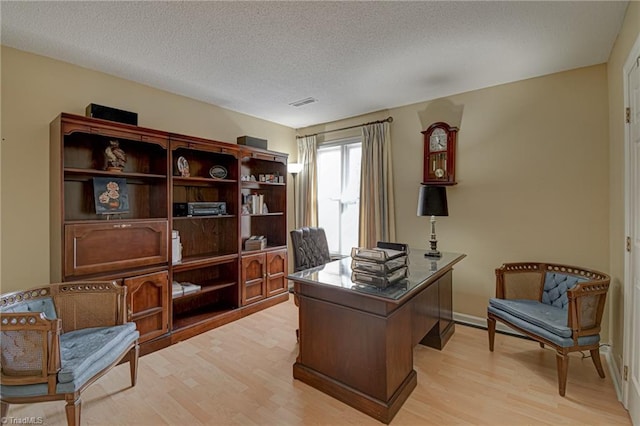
[432, 201]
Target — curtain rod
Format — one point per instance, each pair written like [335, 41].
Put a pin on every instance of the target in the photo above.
[386, 120]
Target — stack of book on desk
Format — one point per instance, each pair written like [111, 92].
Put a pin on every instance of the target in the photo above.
[380, 267]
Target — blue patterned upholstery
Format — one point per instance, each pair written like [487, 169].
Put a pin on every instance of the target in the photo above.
[556, 286]
[44, 305]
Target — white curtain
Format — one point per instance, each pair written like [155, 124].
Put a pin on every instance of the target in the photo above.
[307, 187]
[377, 219]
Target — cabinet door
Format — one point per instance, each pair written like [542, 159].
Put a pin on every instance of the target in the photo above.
[148, 304]
[253, 278]
[276, 271]
[92, 248]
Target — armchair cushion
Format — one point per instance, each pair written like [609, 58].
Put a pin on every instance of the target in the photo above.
[540, 320]
[548, 317]
[89, 347]
[556, 286]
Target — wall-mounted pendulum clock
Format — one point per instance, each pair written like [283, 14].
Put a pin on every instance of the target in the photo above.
[440, 154]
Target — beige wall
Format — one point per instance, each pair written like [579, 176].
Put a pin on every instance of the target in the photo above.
[35, 90]
[533, 172]
[628, 35]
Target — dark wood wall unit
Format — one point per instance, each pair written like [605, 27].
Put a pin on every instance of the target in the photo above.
[135, 247]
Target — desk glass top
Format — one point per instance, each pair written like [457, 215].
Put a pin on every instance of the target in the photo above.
[338, 274]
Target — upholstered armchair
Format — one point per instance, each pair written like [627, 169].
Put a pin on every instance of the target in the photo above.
[557, 305]
[58, 339]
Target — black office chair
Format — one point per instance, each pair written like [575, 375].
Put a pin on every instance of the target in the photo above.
[310, 248]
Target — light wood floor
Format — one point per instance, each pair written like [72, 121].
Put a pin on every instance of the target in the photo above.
[241, 374]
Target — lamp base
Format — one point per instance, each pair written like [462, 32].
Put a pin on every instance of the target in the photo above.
[433, 253]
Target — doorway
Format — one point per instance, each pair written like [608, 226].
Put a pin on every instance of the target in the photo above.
[631, 356]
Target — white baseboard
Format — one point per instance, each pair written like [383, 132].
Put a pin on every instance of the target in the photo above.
[605, 351]
[614, 370]
[482, 323]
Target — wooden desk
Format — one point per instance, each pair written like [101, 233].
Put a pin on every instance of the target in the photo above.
[356, 342]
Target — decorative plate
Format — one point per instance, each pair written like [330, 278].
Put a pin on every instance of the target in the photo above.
[183, 167]
[218, 172]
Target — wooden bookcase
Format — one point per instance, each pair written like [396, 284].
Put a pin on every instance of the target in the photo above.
[263, 272]
[135, 246]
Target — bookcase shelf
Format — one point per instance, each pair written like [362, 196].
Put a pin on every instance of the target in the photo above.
[201, 316]
[205, 289]
[89, 173]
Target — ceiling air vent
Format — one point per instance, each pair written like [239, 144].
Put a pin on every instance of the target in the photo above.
[304, 101]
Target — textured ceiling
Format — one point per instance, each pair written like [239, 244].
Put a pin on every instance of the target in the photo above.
[353, 57]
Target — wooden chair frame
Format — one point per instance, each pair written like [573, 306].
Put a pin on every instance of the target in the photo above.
[596, 286]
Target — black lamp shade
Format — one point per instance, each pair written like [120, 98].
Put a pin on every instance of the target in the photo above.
[432, 201]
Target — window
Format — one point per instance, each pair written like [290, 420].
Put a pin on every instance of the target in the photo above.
[339, 193]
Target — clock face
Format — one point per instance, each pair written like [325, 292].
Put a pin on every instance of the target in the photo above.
[438, 140]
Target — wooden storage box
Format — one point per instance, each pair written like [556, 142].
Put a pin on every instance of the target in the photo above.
[255, 244]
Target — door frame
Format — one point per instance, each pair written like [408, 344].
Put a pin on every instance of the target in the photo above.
[628, 314]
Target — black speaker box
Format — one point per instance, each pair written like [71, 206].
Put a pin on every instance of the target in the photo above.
[111, 114]
[254, 142]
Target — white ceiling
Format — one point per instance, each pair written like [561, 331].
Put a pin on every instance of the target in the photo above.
[353, 57]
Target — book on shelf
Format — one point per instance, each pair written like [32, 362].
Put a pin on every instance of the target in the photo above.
[255, 203]
[177, 290]
[190, 288]
[181, 289]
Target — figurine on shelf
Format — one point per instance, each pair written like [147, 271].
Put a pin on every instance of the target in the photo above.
[115, 156]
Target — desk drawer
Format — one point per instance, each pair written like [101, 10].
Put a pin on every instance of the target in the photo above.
[93, 248]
